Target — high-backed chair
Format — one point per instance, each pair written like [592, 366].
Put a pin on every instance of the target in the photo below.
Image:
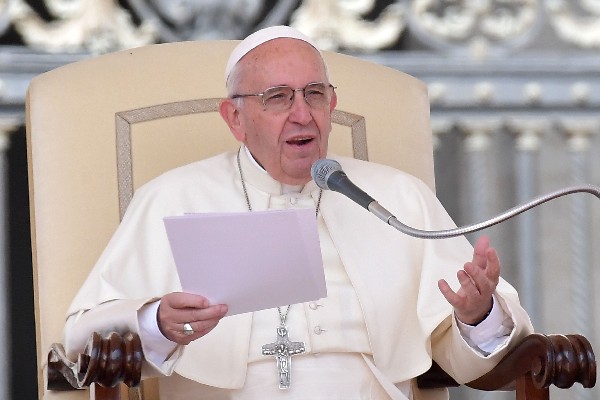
[100, 128]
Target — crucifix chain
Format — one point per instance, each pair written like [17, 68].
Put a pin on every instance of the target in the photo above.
[283, 348]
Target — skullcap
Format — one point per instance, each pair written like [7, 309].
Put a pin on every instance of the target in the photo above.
[262, 36]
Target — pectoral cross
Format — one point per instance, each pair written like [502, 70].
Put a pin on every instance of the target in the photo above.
[283, 349]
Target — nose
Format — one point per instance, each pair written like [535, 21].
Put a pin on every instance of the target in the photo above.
[300, 110]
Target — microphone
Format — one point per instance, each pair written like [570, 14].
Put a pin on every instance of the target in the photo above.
[328, 174]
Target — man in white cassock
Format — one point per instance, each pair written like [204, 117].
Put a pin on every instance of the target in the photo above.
[394, 302]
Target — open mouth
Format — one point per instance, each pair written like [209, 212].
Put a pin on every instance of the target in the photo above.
[299, 141]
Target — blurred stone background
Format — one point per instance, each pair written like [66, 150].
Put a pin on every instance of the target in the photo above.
[515, 99]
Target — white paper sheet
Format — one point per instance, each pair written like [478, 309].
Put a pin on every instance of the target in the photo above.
[250, 261]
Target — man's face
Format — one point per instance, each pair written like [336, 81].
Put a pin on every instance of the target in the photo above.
[286, 143]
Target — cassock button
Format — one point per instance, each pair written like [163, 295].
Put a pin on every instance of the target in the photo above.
[313, 305]
[293, 201]
[318, 330]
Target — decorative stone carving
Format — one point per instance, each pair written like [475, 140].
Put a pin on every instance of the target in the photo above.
[336, 24]
[477, 27]
[4, 15]
[455, 24]
[478, 133]
[97, 26]
[440, 127]
[484, 92]
[437, 92]
[528, 132]
[4, 139]
[532, 92]
[576, 21]
[100, 26]
[177, 20]
[578, 132]
[580, 92]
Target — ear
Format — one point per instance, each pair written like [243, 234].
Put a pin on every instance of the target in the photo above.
[231, 115]
[333, 101]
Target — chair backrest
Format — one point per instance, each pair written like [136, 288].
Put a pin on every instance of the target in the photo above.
[100, 128]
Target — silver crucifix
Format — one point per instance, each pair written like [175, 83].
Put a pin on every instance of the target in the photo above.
[283, 349]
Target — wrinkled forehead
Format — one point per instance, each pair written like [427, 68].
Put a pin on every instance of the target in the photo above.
[260, 37]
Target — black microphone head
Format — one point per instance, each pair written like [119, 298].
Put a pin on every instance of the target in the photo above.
[322, 169]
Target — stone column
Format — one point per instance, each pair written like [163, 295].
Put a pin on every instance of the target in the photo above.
[5, 129]
[445, 155]
[476, 145]
[439, 127]
[527, 144]
[476, 195]
[578, 135]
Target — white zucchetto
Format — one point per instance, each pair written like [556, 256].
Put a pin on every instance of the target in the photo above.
[262, 36]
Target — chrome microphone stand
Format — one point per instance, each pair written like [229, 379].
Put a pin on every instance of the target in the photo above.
[387, 217]
[328, 174]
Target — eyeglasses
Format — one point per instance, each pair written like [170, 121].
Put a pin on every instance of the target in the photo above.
[281, 98]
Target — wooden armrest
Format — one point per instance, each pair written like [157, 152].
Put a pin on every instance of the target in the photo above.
[542, 360]
[106, 361]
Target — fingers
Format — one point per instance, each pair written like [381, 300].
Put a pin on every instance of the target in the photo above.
[479, 251]
[478, 280]
[485, 277]
[451, 296]
[484, 269]
[177, 309]
[184, 300]
[466, 295]
[199, 327]
[205, 322]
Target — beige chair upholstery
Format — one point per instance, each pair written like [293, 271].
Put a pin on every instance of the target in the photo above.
[100, 128]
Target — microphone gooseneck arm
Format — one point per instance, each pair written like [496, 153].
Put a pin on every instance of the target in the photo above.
[328, 174]
[387, 217]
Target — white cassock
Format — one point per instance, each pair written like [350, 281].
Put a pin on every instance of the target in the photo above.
[379, 327]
